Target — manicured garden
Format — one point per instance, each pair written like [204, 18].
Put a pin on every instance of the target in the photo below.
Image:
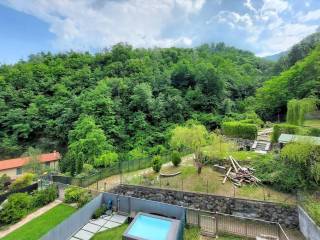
[39, 226]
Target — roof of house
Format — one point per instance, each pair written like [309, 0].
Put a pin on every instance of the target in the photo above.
[19, 162]
[286, 138]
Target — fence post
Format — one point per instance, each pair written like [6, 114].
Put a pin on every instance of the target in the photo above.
[216, 217]
[246, 224]
[207, 187]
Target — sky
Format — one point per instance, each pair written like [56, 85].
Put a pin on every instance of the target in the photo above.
[264, 27]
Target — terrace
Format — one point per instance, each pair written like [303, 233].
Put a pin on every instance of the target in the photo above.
[135, 218]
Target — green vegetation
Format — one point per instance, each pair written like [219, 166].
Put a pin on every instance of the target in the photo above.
[76, 195]
[99, 211]
[297, 82]
[19, 205]
[114, 233]
[156, 164]
[312, 206]
[175, 158]
[278, 129]
[240, 130]
[123, 100]
[39, 226]
[297, 109]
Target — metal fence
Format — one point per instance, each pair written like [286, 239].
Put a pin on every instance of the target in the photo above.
[27, 189]
[179, 183]
[213, 224]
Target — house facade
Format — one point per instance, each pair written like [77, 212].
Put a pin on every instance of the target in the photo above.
[14, 167]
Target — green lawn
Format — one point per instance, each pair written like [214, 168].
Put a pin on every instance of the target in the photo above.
[114, 234]
[312, 123]
[39, 226]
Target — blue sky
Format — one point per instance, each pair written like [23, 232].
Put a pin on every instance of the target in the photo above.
[262, 26]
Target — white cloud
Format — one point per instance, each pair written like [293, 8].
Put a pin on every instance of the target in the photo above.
[233, 19]
[92, 24]
[310, 16]
[284, 37]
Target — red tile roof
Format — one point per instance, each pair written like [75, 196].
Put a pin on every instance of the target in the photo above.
[19, 162]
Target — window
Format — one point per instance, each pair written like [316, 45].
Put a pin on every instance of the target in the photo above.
[19, 171]
[47, 164]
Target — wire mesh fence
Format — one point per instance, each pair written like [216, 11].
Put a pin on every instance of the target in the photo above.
[213, 224]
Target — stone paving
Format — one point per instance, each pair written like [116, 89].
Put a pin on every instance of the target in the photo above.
[103, 223]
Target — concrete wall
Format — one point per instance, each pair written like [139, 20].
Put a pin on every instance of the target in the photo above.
[12, 173]
[131, 204]
[308, 227]
[76, 221]
[285, 215]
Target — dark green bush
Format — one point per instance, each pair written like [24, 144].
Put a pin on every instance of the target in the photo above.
[17, 206]
[314, 132]
[77, 195]
[175, 158]
[45, 196]
[156, 163]
[99, 211]
[4, 182]
[278, 129]
[240, 130]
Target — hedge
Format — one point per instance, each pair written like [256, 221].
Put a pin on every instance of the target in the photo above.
[240, 130]
[278, 129]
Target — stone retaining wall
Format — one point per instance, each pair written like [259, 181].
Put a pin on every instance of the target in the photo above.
[283, 214]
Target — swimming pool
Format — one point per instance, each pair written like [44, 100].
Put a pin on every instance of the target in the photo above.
[151, 227]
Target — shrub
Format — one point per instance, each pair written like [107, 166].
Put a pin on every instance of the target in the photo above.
[156, 163]
[87, 168]
[84, 199]
[77, 195]
[106, 159]
[4, 182]
[45, 196]
[175, 158]
[17, 206]
[278, 129]
[240, 130]
[99, 211]
[314, 132]
[23, 181]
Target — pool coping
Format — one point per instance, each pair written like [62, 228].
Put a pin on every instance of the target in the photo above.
[173, 233]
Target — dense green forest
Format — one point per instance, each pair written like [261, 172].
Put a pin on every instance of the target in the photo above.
[129, 98]
[133, 95]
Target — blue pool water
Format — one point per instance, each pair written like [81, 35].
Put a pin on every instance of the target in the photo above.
[150, 228]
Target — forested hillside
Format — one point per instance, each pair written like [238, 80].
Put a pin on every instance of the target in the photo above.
[131, 96]
[300, 81]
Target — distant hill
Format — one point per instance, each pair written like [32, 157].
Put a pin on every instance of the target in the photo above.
[298, 52]
[276, 57]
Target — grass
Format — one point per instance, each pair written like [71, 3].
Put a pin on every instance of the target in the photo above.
[312, 123]
[39, 226]
[312, 206]
[208, 181]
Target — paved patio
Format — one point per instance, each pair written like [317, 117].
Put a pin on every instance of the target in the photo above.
[103, 223]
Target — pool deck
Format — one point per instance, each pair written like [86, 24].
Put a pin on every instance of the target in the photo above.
[103, 223]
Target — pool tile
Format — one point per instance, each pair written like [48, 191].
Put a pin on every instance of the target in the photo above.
[119, 218]
[84, 235]
[111, 224]
[91, 227]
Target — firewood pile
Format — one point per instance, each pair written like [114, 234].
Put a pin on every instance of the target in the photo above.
[239, 175]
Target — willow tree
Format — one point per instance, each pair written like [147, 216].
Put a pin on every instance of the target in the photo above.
[192, 137]
[297, 109]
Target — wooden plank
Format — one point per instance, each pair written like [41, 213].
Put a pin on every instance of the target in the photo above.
[225, 178]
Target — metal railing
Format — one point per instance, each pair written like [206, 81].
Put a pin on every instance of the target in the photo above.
[213, 224]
